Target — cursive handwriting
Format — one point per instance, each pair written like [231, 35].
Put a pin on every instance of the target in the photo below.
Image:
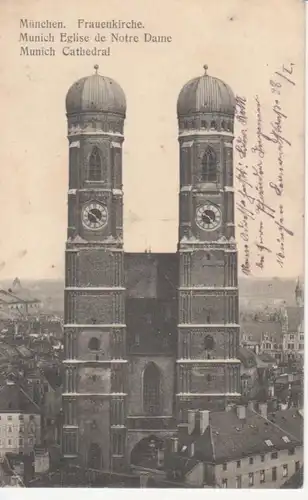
[257, 191]
[242, 177]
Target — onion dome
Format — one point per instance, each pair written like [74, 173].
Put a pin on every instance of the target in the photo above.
[95, 93]
[205, 94]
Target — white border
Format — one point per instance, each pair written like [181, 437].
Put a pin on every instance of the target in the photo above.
[166, 494]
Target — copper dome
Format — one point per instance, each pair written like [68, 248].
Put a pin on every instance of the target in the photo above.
[205, 94]
[95, 93]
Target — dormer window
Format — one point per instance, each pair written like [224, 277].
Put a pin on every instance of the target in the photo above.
[268, 442]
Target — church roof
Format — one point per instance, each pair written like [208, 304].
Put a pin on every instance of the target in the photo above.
[205, 94]
[96, 93]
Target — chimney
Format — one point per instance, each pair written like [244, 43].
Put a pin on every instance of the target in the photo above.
[241, 412]
[160, 457]
[204, 420]
[192, 450]
[191, 421]
[174, 444]
[251, 405]
[263, 409]
[144, 477]
[271, 390]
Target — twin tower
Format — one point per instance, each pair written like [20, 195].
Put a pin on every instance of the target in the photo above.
[148, 336]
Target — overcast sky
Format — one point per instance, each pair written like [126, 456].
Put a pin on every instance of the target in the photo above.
[243, 42]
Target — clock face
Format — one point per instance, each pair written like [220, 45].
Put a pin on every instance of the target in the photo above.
[208, 217]
[94, 215]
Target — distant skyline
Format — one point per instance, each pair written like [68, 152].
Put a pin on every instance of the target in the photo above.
[242, 277]
[34, 147]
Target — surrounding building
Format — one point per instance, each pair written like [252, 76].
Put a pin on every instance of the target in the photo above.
[279, 334]
[147, 336]
[20, 420]
[238, 448]
[18, 302]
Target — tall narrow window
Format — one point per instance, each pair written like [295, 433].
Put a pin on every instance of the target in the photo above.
[151, 390]
[209, 166]
[95, 165]
[251, 479]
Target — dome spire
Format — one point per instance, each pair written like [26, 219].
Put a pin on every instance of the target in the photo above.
[96, 67]
[205, 67]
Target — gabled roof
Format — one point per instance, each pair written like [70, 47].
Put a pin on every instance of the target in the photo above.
[8, 351]
[257, 330]
[237, 438]
[24, 351]
[266, 358]
[16, 296]
[8, 298]
[247, 357]
[15, 400]
[230, 438]
[290, 420]
[53, 378]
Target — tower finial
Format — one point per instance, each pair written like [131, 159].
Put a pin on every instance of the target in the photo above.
[205, 67]
[96, 68]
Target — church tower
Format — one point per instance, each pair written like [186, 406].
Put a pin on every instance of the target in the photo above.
[299, 294]
[94, 431]
[208, 368]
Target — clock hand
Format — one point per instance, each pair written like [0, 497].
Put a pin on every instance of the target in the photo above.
[94, 216]
[206, 218]
[209, 215]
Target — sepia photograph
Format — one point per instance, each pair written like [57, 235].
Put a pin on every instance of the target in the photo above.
[152, 253]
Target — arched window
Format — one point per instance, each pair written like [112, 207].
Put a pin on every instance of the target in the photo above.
[151, 390]
[209, 166]
[95, 166]
[93, 344]
[209, 343]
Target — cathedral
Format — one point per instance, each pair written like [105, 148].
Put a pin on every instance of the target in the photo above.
[148, 336]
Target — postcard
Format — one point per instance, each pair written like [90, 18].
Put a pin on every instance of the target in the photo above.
[152, 244]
